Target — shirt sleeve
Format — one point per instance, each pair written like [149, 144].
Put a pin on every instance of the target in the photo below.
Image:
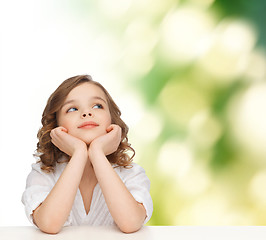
[138, 185]
[38, 186]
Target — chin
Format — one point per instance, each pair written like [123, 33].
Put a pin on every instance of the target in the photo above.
[88, 140]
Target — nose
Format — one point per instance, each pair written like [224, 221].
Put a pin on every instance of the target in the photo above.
[85, 115]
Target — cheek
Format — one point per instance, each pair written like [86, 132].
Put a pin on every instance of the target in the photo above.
[64, 122]
[109, 120]
[60, 119]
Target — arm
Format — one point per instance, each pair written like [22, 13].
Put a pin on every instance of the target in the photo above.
[128, 214]
[51, 215]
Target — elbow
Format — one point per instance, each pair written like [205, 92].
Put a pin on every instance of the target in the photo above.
[132, 223]
[130, 226]
[47, 223]
[50, 229]
[129, 229]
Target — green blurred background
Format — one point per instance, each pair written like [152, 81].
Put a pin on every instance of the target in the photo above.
[195, 74]
[199, 67]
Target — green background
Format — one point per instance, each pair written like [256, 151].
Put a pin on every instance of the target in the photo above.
[199, 70]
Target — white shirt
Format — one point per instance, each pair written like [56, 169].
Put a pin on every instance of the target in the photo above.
[40, 183]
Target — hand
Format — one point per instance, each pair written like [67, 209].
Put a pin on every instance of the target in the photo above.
[66, 142]
[107, 143]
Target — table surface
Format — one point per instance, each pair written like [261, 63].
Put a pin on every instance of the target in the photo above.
[147, 233]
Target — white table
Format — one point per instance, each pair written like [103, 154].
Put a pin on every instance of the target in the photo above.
[146, 233]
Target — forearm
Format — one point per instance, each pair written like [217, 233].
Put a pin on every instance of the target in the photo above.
[128, 214]
[51, 215]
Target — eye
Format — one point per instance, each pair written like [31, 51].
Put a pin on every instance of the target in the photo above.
[98, 106]
[73, 109]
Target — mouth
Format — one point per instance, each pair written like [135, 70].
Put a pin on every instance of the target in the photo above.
[87, 125]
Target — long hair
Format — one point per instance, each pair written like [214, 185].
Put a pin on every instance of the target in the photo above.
[49, 154]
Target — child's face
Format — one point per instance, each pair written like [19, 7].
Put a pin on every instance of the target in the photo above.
[85, 112]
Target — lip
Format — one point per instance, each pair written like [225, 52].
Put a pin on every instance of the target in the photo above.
[88, 125]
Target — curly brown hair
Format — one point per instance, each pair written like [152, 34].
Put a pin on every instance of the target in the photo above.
[48, 154]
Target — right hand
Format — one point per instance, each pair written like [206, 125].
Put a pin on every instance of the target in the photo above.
[66, 142]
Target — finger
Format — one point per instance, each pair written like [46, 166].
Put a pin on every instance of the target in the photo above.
[55, 136]
[60, 132]
[52, 133]
[117, 129]
[109, 129]
[54, 142]
[63, 129]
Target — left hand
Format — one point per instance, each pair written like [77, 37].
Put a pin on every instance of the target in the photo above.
[107, 143]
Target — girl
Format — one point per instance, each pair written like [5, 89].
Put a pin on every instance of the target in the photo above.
[84, 174]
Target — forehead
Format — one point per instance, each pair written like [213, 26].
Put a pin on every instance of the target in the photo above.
[86, 90]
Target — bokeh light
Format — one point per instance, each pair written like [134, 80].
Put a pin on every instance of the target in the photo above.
[190, 79]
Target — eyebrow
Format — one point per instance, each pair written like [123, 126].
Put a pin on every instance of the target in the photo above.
[73, 100]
